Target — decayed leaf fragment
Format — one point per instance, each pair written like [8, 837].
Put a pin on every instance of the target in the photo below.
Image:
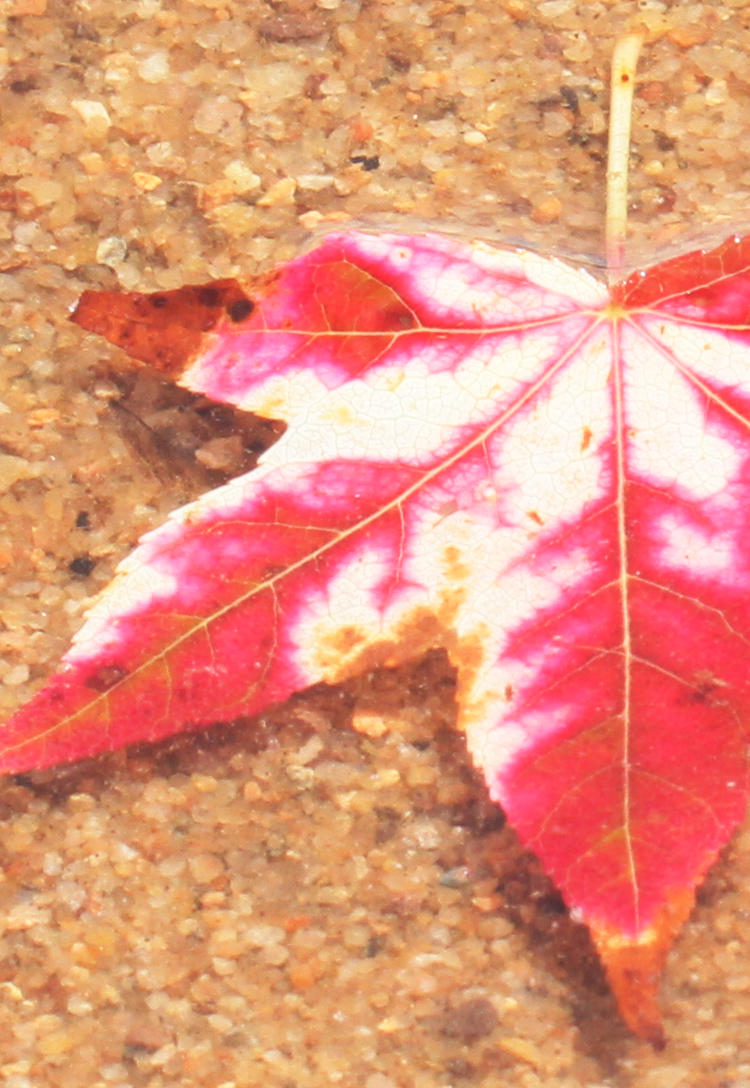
[489, 452]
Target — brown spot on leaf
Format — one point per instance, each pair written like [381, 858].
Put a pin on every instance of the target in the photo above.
[105, 677]
[210, 296]
[352, 651]
[454, 564]
[240, 309]
[165, 329]
[706, 688]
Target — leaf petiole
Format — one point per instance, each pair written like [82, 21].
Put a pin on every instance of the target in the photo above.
[624, 61]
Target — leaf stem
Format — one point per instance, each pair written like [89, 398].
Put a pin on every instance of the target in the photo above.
[624, 61]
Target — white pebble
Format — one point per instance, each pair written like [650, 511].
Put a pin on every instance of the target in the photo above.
[474, 138]
[112, 251]
[155, 67]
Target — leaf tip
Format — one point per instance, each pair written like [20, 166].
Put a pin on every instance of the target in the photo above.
[634, 973]
[634, 965]
[165, 329]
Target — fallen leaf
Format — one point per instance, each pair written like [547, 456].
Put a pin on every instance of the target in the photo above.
[489, 452]
[492, 453]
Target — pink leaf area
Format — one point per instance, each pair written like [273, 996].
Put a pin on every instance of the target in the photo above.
[491, 453]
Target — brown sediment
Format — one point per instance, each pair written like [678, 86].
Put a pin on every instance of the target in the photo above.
[134, 893]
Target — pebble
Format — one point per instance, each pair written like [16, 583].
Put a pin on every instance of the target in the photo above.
[280, 193]
[155, 67]
[474, 138]
[522, 1049]
[13, 469]
[235, 218]
[94, 116]
[42, 191]
[112, 251]
[146, 182]
[239, 174]
[548, 210]
[205, 867]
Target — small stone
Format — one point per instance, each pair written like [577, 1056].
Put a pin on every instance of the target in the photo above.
[687, 36]
[517, 9]
[311, 220]
[214, 113]
[78, 1005]
[223, 454]
[13, 469]
[161, 153]
[25, 7]
[557, 123]
[204, 783]
[92, 162]
[522, 1049]
[422, 834]
[717, 92]
[154, 68]
[261, 935]
[487, 904]
[205, 867]
[226, 944]
[222, 966]
[241, 177]
[235, 218]
[652, 92]
[112, 251]
[291, 26]
[314, 182]
[42, 191]
[280, 193]
[418, 775]
[372, 725]
[309, 751]
[146, 182]
[15, 160]
[304, 777]
[16, 676]
[93, 114]
[59, 1042]
[547, 210]
[387, 776]
[379, 1080]
[474, 138]
[471, 1020]
[654, 168]
[390, 1025]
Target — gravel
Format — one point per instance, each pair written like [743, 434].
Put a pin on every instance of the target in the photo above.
[289, 901]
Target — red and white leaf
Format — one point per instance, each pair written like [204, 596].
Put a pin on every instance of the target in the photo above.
[488, 452]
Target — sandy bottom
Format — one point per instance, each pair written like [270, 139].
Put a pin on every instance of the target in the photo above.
[289, 902]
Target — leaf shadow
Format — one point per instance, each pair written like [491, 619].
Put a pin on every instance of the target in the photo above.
[184, 436]
[559, 948]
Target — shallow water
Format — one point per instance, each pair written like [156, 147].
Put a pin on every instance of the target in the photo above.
[294, 903]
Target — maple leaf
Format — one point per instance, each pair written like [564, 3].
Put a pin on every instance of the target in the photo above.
[489, 452]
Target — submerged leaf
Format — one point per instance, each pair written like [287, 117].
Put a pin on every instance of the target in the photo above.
[491, 453]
